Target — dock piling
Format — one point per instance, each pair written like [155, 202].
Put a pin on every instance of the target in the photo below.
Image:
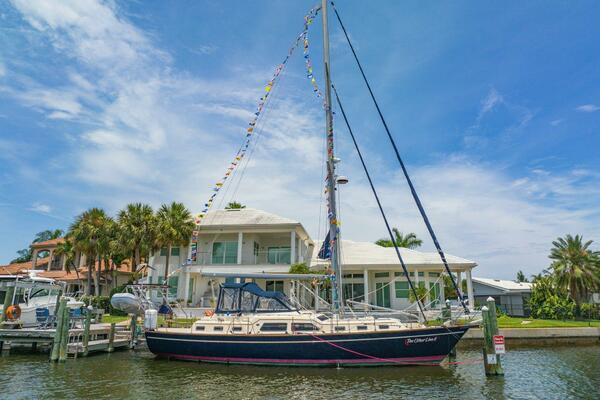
[86, 330]
[64, 339]
[133, 329]
[58, 333]
[491, 359]
[111, 338]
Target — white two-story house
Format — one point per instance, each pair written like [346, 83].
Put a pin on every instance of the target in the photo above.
[248, 241]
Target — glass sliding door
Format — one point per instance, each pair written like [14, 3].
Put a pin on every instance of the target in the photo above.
[224, 252]
[383, 294]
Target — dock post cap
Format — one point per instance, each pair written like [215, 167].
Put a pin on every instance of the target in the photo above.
[90, 308]
[485, 308]
[490, 299]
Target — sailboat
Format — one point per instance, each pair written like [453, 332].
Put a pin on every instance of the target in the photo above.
[252, 326]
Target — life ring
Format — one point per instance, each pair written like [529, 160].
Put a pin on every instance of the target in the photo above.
[209, 313]
[13, 312]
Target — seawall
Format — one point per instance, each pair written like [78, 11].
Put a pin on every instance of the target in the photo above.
[537, 336]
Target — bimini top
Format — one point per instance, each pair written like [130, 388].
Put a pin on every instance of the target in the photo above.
[250, 298]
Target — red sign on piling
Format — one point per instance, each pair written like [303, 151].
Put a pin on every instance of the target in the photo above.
[499, 344]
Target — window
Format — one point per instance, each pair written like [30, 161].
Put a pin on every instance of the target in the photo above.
[237, 328]
[163, 251]
[357, 276]
[224, 252]
[200, 328]
[175, 251]
[340, 328]
[218, 329]
[173, 283]
[279, 255]
[274, 286]
[256, 248]
[402, 289]
[303, 327]
[273, 327]
[384, 327]
[361, 328]
[354, 291]
[382, 274]
[434, 274]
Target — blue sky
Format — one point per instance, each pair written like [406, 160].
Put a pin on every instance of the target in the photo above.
[496, 109]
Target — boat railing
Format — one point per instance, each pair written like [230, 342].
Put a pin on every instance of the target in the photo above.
[358, 309]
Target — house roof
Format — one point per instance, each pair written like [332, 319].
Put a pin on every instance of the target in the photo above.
[15, 268]
[249, 218]
[508, 286]
[47, 243]
[369, 254]
[244, 216]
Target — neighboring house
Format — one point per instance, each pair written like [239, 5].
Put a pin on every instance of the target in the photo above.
[48, 265]
[249, 241]
[511, 297]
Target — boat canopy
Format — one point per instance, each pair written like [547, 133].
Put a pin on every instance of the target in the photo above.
[250, 298]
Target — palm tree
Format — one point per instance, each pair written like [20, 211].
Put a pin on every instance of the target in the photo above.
[88, 232]
[521, 277]
[234, 205]
[137, 229]
[67, 250]
[575, 266]
[174, 228]
[409, 241]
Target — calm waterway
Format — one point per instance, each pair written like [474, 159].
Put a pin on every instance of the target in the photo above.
[543, 373]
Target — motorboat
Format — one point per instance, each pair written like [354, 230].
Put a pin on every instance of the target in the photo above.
[31, 293]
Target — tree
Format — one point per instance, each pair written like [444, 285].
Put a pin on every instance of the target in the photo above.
[136, 230]
[88, 233]
[67, 250]
[234, 205]
[409, 241]
[299, 268]
[174, 225]
[521, 277]
[548, 300]
[575, 267]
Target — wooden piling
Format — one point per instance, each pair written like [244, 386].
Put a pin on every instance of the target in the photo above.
[57, 305]
[64, 340]
[111, 338]
[7, 302]
[58, 332]
[86, 330]
[491, 360]
[133, 329]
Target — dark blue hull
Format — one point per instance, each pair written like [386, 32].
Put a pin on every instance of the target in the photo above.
[419, 346]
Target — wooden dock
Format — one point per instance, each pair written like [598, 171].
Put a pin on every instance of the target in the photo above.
[102, 338]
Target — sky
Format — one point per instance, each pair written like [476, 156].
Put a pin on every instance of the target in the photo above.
[495, 109]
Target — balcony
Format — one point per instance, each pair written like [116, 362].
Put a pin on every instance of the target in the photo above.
[275, 256]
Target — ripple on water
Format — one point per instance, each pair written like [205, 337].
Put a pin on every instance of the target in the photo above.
[544, 373]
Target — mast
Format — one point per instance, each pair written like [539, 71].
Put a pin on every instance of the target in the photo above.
[331, 177]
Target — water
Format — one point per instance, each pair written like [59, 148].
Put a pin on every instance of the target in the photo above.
[542, 373]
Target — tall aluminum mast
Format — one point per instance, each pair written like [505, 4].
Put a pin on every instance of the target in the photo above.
[331, 177]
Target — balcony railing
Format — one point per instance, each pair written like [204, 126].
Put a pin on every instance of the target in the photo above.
[273, 256]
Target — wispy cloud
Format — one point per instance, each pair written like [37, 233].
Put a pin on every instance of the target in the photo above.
[40, 208]
[588, 108]
[557, 122]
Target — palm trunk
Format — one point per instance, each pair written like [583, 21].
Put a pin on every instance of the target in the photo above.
[137, 258]
[98, 290]
[88, 289]
[167, 263]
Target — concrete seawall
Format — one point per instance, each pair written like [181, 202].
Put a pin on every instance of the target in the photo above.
[537, 336]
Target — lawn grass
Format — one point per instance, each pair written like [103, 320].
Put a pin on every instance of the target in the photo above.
[107, 318]
[514, 322]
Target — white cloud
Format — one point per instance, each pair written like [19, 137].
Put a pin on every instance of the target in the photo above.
[154, 134]
[557, 122]
[588, 108]
[2, 70]
[41, 208]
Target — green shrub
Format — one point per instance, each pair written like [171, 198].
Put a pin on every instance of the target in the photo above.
[589, 311]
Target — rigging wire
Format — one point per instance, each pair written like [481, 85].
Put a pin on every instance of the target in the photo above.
[403, 167]
[385, 220]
